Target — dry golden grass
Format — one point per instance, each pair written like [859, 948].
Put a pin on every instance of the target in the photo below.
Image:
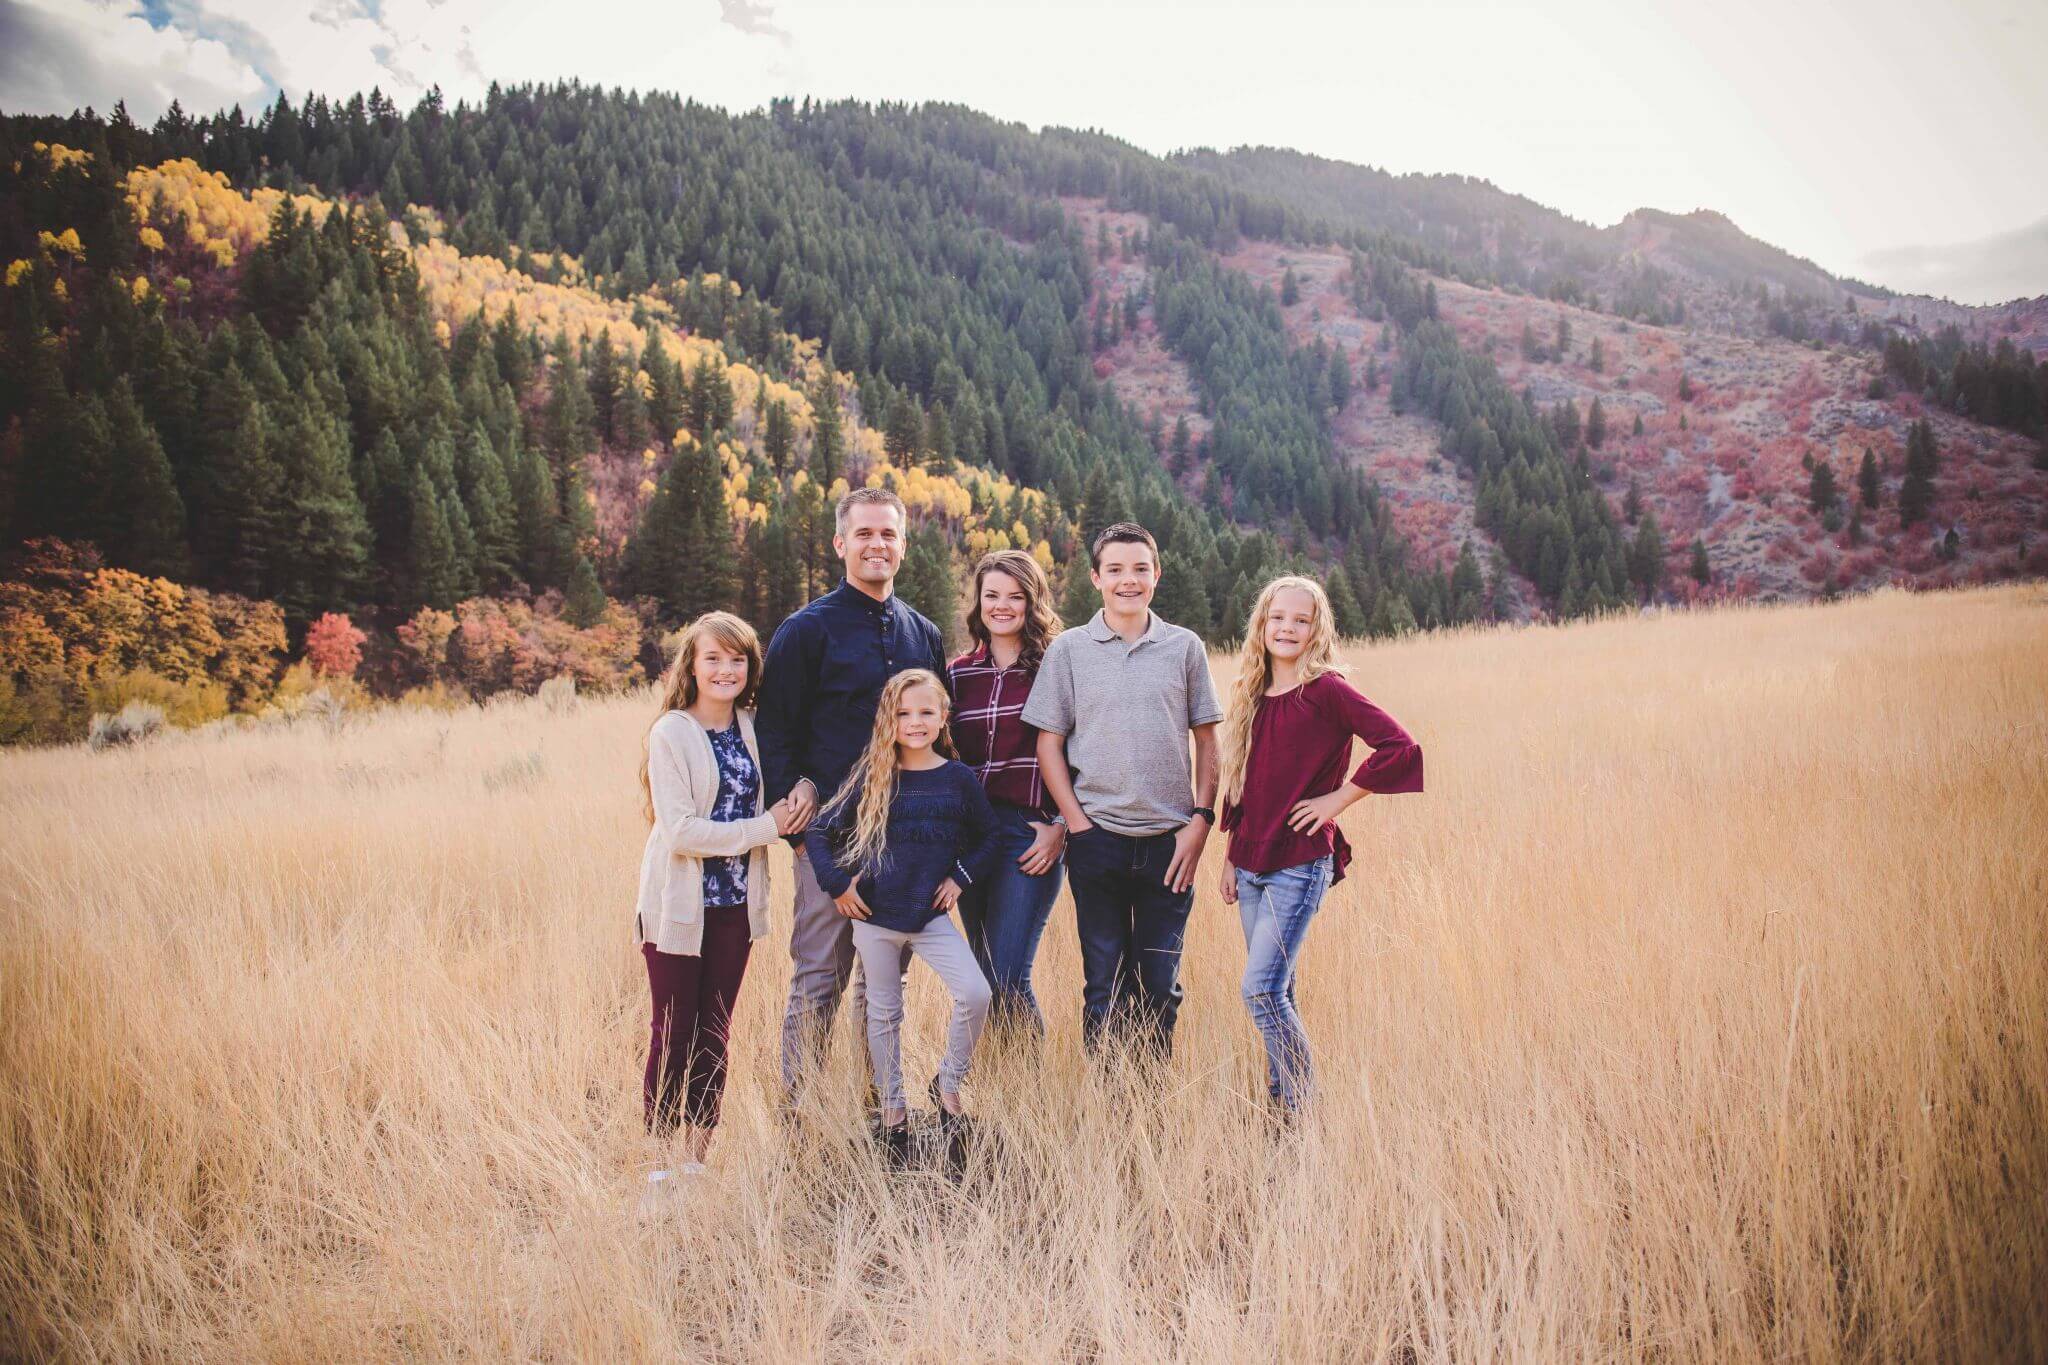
[1699, 1011]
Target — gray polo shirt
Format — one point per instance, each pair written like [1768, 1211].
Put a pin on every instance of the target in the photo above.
[1126, 709]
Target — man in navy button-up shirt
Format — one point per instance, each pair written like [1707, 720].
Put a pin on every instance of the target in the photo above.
[819, 688]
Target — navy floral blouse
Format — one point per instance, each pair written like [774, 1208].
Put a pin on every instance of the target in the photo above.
[739, 781]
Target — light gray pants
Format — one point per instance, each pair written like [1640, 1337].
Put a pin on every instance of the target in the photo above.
[821, 962]
[940, 945]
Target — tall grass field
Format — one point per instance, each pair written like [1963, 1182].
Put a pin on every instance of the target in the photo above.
[1698, 1011]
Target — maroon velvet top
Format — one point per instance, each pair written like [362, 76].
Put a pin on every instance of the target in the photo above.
[1300, 743]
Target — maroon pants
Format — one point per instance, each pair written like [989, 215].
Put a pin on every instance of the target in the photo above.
[693, 1000]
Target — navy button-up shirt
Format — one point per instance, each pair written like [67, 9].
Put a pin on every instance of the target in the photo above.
[823, 679]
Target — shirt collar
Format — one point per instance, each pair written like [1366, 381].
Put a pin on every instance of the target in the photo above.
[981, 656]
[846, 592]
[1100, 632]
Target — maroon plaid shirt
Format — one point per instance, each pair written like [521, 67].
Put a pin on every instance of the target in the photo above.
[989, 729]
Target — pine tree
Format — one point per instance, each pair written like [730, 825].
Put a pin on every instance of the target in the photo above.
[1636, 428]
[433, 575]
[828, 446]
[632, 425]
[150, 535]
[903, 435]
[1632, 503]
[1646, 556]
[604, 381]
[1079, 601]
[665, 390]
[1596, 424]
[1702, 572]
[1340, 379]
[1916, 492]
[938, 439]
[1869, 480]
[1346, 614]
[1564, 337]
[1598, 360]
[682, 554]
[1820, 488]
[779, 437]
[584, 603]
[327, 534]
[1181, 598]
[1468, 588]
[568, 423]
[1290, 289]
[927, 581]
[66, 484]
[487, 497]
[241, 488]
[1685, 388]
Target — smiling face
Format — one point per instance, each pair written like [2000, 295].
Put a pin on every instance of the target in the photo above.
[1126, 573]
[1290, 623]
[719, 671]
[1003, 604]
[871, 544]
[920, 717]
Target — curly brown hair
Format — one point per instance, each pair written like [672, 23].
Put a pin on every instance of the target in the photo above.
[1041, 622]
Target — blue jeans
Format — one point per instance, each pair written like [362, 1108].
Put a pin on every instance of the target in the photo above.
[1132, 927]
[1275, 908]
[1004, 915]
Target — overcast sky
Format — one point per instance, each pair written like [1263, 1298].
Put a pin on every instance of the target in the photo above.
[1903, 142]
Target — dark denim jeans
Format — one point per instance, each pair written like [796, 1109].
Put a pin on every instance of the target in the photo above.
[1004, 915]
[1132, 927]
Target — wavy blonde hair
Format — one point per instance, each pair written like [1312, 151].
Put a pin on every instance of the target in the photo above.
[871, 785]
[679, 683]
[1255, 671]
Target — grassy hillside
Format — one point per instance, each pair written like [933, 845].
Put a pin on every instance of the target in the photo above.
[1693, 1012]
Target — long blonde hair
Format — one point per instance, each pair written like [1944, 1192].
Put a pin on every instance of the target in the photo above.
[1255, 671]
[872, 781]
[679, 684]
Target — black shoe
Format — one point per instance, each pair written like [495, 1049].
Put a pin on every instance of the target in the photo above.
[896, 1146]
[956, 1150]
[950, 1123]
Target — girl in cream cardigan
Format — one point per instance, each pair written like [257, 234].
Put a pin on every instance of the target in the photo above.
[703, 879]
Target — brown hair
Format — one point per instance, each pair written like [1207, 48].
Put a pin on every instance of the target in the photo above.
[1041, 623]
[1121, 533]
[864, 497]
[678, 686]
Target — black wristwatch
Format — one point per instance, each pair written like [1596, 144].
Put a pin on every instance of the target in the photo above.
[1206, 814]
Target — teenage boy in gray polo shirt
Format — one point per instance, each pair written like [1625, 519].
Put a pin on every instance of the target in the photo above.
[1114, 702]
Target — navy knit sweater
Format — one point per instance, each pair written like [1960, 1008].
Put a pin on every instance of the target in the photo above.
[940, 825]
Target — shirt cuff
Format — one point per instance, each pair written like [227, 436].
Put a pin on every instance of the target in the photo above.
[960, 872]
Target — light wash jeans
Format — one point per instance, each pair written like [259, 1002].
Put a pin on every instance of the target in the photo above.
[1275, 908]
[821, 963]
[939, 944]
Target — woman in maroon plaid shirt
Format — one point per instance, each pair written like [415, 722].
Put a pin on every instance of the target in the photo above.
[1011, 622]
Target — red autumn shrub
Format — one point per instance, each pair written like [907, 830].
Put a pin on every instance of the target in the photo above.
[334, 647]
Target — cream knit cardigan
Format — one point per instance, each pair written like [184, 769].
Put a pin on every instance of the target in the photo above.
[682, 774]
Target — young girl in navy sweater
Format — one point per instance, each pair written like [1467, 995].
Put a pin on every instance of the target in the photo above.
[1286, 741]
[907, 832]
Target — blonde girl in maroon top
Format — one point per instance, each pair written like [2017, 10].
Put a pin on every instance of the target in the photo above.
[1287, 732]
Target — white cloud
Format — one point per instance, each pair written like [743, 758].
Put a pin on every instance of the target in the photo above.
[1826, 135]
[56, 58]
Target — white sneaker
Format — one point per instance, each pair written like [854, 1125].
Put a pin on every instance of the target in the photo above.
[654, 1198]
